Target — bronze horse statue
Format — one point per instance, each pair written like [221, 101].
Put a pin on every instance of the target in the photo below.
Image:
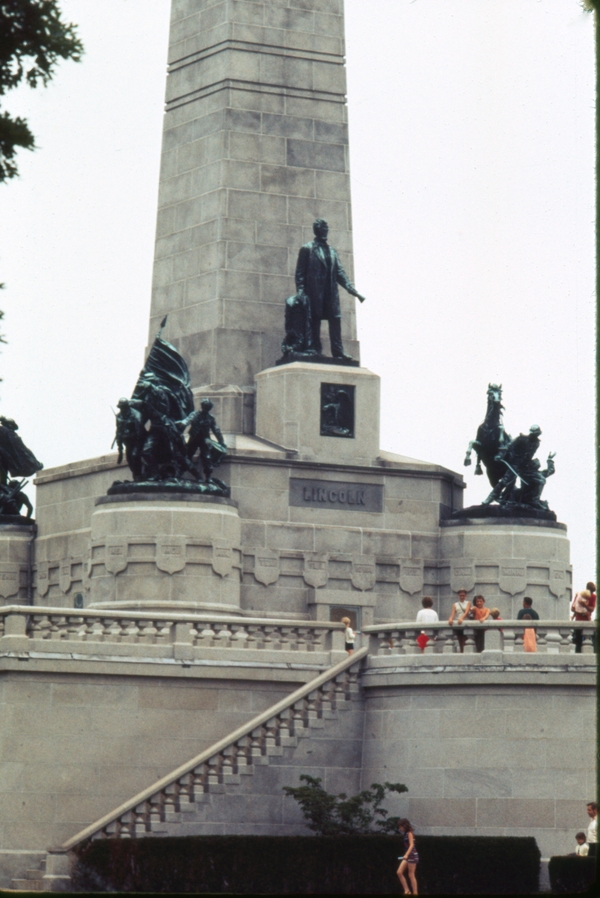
[491, 437]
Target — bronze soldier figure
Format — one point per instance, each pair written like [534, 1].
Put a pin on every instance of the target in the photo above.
[202, 424]
[519, 462]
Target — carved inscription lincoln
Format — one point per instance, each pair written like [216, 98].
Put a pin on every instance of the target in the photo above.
[332, 494]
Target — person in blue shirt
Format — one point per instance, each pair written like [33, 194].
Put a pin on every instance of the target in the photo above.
[527, 609]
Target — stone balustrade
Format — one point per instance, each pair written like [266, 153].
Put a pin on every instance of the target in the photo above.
[222, 765]
[156, 635]
[552, 637]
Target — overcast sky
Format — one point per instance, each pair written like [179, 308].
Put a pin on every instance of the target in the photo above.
[472, 159]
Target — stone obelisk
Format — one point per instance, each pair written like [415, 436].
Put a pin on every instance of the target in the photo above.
[255, 147]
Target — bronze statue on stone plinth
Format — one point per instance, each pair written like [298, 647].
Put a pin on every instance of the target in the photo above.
[150, 430]
[16, 460]
[508, 461]
[318, 274]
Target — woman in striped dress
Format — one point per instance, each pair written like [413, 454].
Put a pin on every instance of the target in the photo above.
[410, 858]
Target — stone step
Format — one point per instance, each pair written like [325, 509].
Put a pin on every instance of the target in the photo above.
[28, 885]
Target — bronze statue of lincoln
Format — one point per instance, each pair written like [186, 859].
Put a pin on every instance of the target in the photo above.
[318, 273]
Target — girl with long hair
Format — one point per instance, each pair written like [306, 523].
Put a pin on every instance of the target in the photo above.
[410, 858]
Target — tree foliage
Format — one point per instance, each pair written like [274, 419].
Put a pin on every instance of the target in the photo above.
[33, 38]
[336, 815]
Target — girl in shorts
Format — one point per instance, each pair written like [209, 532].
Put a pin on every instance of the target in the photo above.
[410, 858]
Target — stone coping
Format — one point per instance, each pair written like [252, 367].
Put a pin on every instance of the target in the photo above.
[159, 496]
[385, 462]
[505, 521]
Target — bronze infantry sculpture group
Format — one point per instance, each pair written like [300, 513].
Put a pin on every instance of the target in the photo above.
[151, 425]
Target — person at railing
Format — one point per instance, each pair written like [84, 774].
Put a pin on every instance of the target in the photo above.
[479, 614]
[427, 615]
[460, 610]
[581, 610]
[529, 638]
[527, 609]
[583, 849]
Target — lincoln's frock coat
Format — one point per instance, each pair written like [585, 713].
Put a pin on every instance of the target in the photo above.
[320, 284]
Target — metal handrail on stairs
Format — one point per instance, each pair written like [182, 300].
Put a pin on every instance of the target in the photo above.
[149, 805]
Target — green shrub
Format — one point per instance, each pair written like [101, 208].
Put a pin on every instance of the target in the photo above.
[569, 875]
[335, 815]
[325, 865]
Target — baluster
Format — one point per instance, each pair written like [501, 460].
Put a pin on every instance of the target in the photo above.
[139, 824]
[40, 626]
[339, 690]
[469, 634]
[304, 639]
[268, 637]
[171, 799]
[240, 636]
[317, 639]
[285, 734]
[194, 633]
[58, 628]
[448, 645]
[553, 641]
[271, 734]
[96, 631]
[75, 627]
[566, 644]
[256, 742]
[112, 630]
[224, 634]
[200, 779]
[155, 810]
[312, 705]
[385, 645]
[186, 789]
[297, 720]
[395, 642]
[130, 631]
[326, 699]
[228, 774]
[284, 638]
[207, 635]
[508, 639]
[587, 643]
[165, 632]
[430, 647]
[147, 631]
[243, 757]
[519, 639]
[541, 636]
[253, 641]
[409, 641]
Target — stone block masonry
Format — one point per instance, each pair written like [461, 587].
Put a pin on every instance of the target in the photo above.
[255, 147]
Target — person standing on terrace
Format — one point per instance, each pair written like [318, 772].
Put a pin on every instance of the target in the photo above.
[460, 610]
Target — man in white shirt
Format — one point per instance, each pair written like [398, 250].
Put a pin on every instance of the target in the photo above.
[426, 616]
[592, 830]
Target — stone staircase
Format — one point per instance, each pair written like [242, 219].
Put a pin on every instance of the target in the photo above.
[32, 881]
[175, 804]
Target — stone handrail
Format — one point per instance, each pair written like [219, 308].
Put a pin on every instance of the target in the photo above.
[220, 764]
[159, 634]
[552, 637]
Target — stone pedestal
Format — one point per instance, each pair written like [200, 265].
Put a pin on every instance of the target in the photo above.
[167, 551]
[506, 559]
[289, 411]
[16, 546]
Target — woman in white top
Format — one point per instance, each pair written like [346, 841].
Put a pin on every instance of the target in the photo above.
[460, 610]
[426, 615]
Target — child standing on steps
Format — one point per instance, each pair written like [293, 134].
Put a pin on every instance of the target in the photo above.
[348, 635]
